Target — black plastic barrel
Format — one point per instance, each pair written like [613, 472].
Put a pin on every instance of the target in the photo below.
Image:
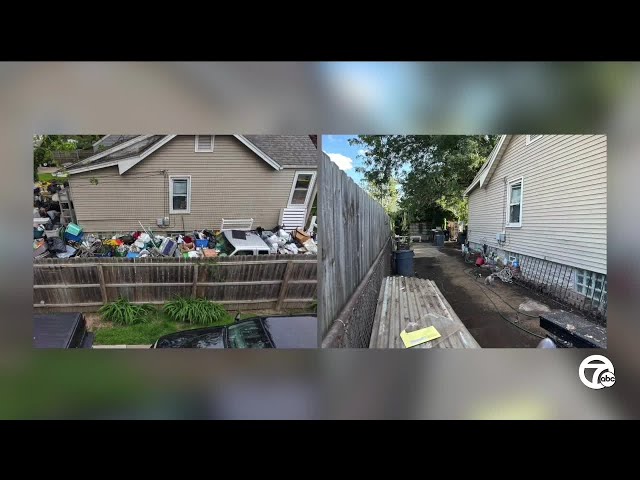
[404, 262]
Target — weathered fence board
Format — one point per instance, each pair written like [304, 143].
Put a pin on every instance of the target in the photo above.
[239, 282]
[354, 231]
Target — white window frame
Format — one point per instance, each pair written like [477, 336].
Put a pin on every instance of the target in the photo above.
[213, 137]
[508, 212]
[589, 291]
[530, 140]
[179, 177]
[293, 186]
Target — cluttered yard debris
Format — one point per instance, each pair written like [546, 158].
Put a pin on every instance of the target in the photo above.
[70, 241]
[53, 237]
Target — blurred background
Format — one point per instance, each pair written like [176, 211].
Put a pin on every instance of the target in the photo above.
[298, 98]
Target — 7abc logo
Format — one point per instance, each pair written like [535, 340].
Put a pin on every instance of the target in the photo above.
[603, 374]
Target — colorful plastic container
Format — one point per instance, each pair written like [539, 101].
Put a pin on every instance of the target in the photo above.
[73, 229]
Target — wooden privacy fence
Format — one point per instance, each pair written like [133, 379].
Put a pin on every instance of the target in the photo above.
[355, 248]
[243, 282]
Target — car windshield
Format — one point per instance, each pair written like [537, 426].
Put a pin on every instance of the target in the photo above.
[223, 243]
[249, 334]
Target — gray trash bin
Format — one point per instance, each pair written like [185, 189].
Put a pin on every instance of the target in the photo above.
[404, 262]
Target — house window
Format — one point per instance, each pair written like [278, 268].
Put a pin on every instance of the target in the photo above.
[532, 138]
[591, 284]
[514, 205]
[302, 183]
[180, 194]
[204, 143]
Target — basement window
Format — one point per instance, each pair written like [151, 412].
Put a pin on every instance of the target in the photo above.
[591, 285]
[532, 138]
[514, 203]
[204, 143]
[180, 194]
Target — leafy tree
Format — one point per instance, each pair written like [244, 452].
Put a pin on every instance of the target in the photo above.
[45, 145]
[387, 194]
[433, 170]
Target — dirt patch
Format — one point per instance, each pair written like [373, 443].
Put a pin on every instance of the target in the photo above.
[533, 306]
[94, 322]
[483, 308]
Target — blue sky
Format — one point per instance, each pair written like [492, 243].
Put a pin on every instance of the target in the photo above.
[343, 154]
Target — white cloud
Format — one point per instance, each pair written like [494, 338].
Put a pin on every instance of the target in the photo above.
[344, 163]
[362, 152]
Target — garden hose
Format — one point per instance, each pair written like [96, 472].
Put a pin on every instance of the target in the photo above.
[503, 317]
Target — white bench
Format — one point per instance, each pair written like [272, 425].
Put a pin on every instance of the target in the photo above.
[237, 224]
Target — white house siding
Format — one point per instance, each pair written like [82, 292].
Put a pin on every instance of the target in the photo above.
[230, 182]
[564, 201]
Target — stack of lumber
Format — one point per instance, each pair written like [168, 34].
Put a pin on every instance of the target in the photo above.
[408, 299]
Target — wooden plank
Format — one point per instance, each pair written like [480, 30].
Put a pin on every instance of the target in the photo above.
[103, 291]
[66, 305]
[300, 300]
[395, 317]
[194, 287]
[181, 264]
[380, 311]
[53, 287]
[412, 299]
[284, 286]
[161, 302]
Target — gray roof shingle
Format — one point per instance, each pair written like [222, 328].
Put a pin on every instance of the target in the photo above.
[286, 150]
[294, 150]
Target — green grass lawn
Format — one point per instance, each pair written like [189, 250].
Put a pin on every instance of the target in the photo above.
[48, 177]
[148, 333]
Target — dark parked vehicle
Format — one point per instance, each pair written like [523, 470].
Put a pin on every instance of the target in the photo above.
[61, 330]
[299, 331]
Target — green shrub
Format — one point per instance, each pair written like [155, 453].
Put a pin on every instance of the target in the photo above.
[196, 310]
[122, 312]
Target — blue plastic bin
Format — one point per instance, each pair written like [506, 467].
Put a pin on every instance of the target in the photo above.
[73, 238]
[202, 243]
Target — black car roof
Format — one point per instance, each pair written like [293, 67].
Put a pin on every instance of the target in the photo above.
[55, 330]
[293, 332]
[300, 331]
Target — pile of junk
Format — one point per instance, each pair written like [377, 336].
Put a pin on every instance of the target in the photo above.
[502, 267]
[59, 241]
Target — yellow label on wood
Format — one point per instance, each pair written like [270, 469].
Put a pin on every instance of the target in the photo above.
[411, 339]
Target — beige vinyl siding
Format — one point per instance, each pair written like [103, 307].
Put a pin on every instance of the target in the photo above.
[564, 201]
[230, 182]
